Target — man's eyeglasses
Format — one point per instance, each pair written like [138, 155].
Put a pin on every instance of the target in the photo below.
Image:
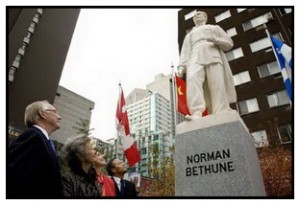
[51, 110]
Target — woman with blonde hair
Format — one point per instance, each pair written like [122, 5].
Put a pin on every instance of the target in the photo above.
[108, 186]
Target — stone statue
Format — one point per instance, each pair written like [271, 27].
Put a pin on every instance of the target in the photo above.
[208, 75]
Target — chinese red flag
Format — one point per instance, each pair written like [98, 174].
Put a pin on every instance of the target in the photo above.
[181, 96]
[132, 154]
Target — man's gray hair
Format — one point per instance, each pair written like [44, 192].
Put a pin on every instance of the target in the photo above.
[32, 111]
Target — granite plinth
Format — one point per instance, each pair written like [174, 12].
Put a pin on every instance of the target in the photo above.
[216, 156]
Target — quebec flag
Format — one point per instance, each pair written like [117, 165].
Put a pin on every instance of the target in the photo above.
[284, 58]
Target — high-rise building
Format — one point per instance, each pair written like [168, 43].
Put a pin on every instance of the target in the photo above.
[262, 100]
[38, 42]
[75, 112]
[136, 95]
[105, 148]
[161, 84]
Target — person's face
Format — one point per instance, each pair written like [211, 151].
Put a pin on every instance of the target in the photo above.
[90, 154]
[100, 161]
[119, 167]
[52, 117]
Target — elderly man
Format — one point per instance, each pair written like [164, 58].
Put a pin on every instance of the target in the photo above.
[209, 78]
[33, 170]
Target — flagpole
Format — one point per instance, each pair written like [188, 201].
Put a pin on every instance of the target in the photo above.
[269, 36]
[120, 91]
[174, 97]
[274, 51]
[119, 138]
[264, 26]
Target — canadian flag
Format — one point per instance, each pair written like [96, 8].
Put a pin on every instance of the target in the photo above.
[131, 152]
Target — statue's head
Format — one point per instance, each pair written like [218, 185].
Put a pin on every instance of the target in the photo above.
[200, 18]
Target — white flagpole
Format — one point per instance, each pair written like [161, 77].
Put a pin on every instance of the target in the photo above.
[120, 91]
[274, 51]
[119, 136]
[174, 96]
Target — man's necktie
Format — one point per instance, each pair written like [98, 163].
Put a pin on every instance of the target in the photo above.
[122, 191]
[52, 145]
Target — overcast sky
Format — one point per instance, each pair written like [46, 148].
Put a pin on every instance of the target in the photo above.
[112, 45]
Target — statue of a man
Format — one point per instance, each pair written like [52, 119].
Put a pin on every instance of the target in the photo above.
[208, 75]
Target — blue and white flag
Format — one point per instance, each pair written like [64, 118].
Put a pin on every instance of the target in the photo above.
[284, 58]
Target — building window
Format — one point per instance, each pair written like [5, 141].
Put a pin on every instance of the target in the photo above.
[231, 32]
[36, 18]
[260, 138]
[17, 61]
[189, 15]
[11, 74]
[28, 35]
[278, 98]
[252, 23]
[284, 11]
[22, 49]
[40, 11]
[239, 10]
[234, 54]
[32, 27]
[242, 77]
[144, 150]
[268, 69]
[248, 106]
[285, 133]
[26, 40]
[155, 137]
[260, 44]
[222, 16]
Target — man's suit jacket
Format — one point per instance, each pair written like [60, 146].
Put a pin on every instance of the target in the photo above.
[130, 191]
[32, 167]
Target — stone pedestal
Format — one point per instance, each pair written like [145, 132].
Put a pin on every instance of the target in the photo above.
[216, 156]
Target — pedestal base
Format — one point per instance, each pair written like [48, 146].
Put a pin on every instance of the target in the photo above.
[218, 159]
